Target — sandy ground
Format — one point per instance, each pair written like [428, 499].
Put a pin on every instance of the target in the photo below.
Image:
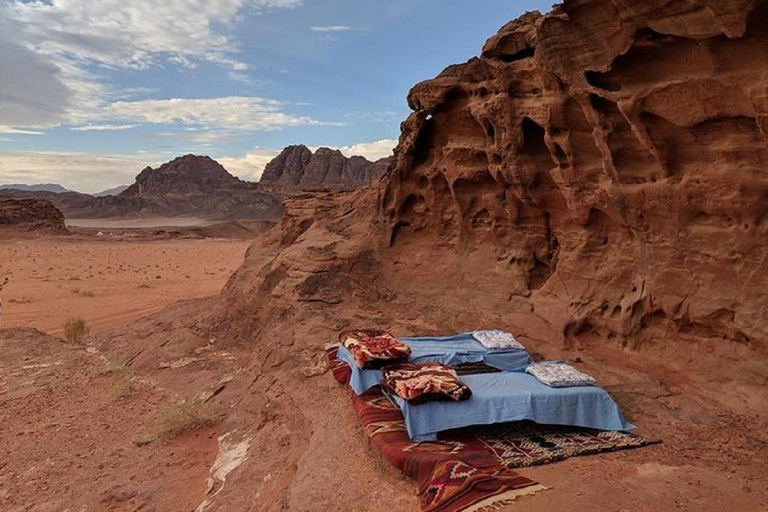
[107, 282]
[106, 224]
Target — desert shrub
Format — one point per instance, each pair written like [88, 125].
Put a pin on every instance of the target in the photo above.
[123, 387]
[175, 419]
[75, 330]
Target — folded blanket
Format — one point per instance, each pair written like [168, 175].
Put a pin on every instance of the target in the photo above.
[495, 339]
[422, 382]
[374, 348]
[558, 374]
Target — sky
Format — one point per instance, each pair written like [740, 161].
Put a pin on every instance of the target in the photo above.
[93, 91]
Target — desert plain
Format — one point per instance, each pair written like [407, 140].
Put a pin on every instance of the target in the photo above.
[108, 280]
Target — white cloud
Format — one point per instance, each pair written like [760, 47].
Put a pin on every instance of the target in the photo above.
[10, 129]
[331, 28]
[229, 113]
[370, 150]
[84, 172]
[50, 49]
[139, 33]
[102, 127]
[250, 166]
[32, 93]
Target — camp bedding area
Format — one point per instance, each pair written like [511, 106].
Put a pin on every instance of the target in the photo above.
[452, 350]
[510, 395]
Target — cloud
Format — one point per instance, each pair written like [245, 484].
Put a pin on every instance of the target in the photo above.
[32, 92]
[251, 166]
[370, 150]
[50, 50]
[332, 28]
[84, 172]
[9, 129]
[229, 113]
[102, 127]
[140, 33]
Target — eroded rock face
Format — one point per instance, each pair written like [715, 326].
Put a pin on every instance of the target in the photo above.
[297, 168]
[612, 158]
[31, 215]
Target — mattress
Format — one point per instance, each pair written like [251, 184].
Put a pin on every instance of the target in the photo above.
[514, 396]
[452, 350]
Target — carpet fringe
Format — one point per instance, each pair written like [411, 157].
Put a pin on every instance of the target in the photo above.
[506, 498]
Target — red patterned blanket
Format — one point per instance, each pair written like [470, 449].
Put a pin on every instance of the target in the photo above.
[452, 475]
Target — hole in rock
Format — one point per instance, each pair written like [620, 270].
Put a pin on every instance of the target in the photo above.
[525, 53]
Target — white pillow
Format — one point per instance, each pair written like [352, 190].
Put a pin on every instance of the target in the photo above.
[495, 339]
[558, 374]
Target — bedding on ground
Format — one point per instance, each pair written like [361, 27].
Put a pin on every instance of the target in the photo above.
[452, 350]
[423, 382]
[558, 374]
[513, 396]
[372, 348]
[495, 339]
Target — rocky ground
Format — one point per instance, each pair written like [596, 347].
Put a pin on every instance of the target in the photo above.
[76, 417]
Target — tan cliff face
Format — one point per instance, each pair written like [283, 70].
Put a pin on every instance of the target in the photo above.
[611, 159]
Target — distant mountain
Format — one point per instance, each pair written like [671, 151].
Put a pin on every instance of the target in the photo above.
[42, 187]
[297, 168]
[189, 185]
[187, 175]
[199, 186]
[111, 191]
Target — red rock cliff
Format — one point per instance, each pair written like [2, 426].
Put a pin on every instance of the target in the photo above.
[612, 159]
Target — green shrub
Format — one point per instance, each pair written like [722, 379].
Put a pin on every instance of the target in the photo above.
[75, 330]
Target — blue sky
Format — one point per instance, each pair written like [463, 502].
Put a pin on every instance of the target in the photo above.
[93, 91]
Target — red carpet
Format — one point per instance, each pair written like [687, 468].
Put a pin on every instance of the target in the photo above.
[451, 475]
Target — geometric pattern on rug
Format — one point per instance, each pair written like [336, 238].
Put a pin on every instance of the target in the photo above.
[471, 468]
[450, 475]
[525, 443]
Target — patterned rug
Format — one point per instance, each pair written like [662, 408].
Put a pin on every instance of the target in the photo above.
[525, 443]
[450, 475]
[470, 469]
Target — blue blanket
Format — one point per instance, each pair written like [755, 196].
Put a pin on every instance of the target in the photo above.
[457, 349]
[513, 396]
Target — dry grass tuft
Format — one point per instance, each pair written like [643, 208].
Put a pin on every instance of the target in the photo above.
[123, 375]
[75, 330]
[175, 419]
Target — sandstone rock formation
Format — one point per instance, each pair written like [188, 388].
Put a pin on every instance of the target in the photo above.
[611, 160]
[297, 168]
[31, 215]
